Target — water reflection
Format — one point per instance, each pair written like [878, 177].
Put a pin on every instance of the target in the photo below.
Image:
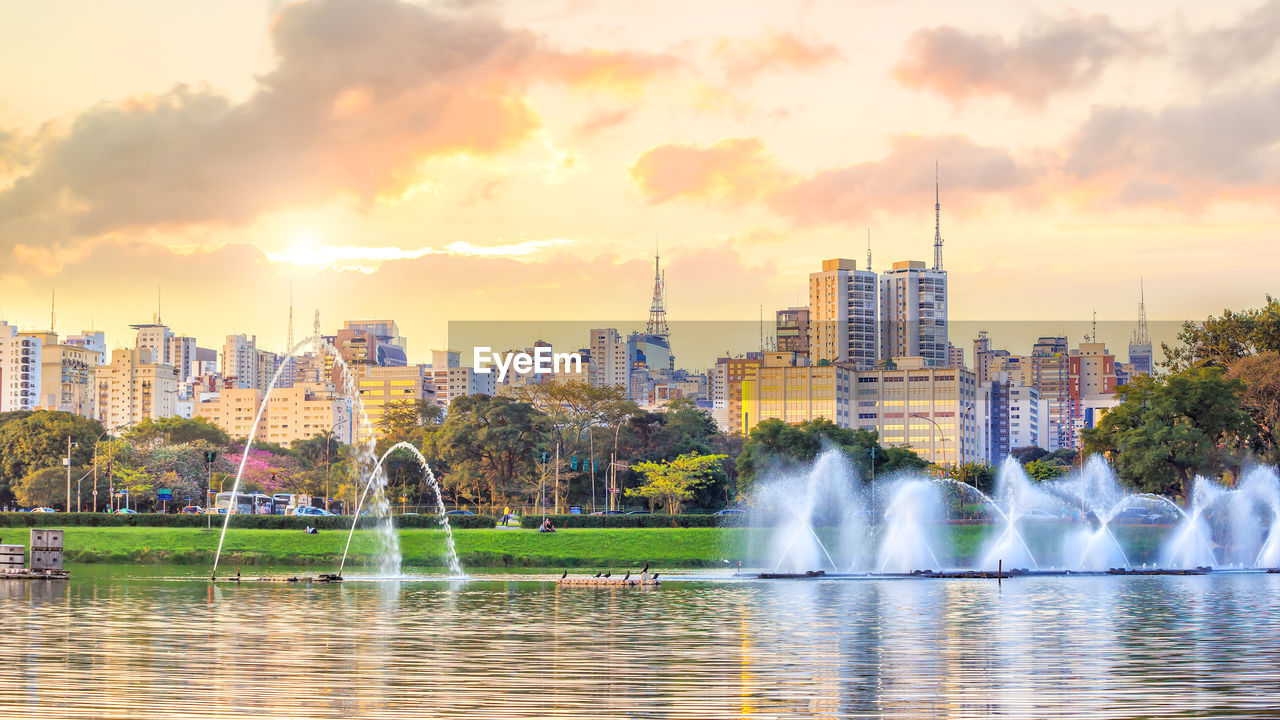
[1033, 647]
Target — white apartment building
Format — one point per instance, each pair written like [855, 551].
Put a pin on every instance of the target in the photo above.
[133, 388]
[240, 361]
[20, 369]
[933, 410]
[294, 413]
[913, 313]
[609, 364]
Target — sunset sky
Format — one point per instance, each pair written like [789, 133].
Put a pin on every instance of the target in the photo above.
[496, 160]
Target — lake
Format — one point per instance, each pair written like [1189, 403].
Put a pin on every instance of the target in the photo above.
[122, 642]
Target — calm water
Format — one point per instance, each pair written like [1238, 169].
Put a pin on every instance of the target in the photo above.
[1051, 647]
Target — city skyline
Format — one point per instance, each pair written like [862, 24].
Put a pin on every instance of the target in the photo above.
[216, 176]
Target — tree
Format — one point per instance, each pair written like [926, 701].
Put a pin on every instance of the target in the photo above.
[47, 487]
[1044, 469]
[774, 440]
[1261, 398]
[670, 483]
[1220, 341]
[490, 444]
[403, 420]
[178, 430]
[30, 441]
[1027, 454]
[1167, 430]
[578, 404]
[978, 474]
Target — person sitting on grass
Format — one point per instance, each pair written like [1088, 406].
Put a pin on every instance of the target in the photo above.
[547, 526]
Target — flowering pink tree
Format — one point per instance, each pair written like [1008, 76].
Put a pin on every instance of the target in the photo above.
[265, 471]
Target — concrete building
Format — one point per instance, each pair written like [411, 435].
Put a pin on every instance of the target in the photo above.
[182, 355]
[933, 410]
[791, 328]
[1026, 415]
[737, 370]
[913, 313]
[1014, 414]
[133, 387]
[955, 356]
[1093, 382]
[1051, 375]
[240, 362]
[842, 314]
[380, 386]
[450, 379]
[94, 340]
[20, 369]
[609, 364]
[390, 348]
[294, 413]
[983, 357]
[266, 364]
[782, 388]
[66, 375]
[155, 337]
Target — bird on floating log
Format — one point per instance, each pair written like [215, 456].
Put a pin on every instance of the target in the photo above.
[626, 577]
[608, 574]
[655, 577]
[596, 575]
[646, 568]
[565, 575]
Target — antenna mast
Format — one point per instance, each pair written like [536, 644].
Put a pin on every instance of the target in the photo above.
[937, 220]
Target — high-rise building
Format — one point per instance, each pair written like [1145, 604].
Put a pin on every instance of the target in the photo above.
[154, 337]
[609, 364]
[955, 356]
[268, 363]
[133, 387]
[1093, 385]
[913, 313]
[386, 347]
[295, 413]
[381, 386]
[1051, 375]
[450, 379]
[182, 355]
[781, 388]
[842, 314]
[65, 376]
[983, 357]
[737, 370]
[792, 330]
[240, 362]
[1026, 412]
[94, 340]
[933, 410]
[20, 369]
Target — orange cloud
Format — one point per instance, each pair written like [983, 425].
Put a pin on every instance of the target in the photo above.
[738, 171]
[734, 171]
[623, 72]
[1047, 59]
[745, 59]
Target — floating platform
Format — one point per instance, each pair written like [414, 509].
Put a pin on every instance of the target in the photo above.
[792, 576]
[644, 580]
[1167, 571]
[985, 574]
[323, 578]
[29, 574]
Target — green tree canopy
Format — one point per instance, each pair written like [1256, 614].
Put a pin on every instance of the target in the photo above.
[490, 444]
[1167, 430]
[1222, 340]
[774, 440]
[672, 482]
[178, 430]
[1261, 398]
[32, 440]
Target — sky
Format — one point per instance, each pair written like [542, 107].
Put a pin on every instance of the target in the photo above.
[489, 160]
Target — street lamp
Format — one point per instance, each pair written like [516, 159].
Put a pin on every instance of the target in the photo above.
[328, 443]
[110, 473]
[942, 439]
[613, 465]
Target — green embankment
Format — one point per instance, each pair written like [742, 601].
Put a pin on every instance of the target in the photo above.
[569, 548]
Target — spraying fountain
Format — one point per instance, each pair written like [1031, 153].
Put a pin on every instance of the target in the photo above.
[451, 553]
[389, 544]
[812, 521]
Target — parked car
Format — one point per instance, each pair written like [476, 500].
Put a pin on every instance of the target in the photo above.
[731, 511]
[459, 512]
[639, 512]
[311, 511]
[191, 510]
[43, 509]
[126, 511]
[1038, 515]
[1136, 516]
[608, 512]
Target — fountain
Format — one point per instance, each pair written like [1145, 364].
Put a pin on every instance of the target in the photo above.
[788, 511]
[389, 544]
[812, 520]
[451, 553]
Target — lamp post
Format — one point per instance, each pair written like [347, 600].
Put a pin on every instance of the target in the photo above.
[69, 446]
[328, 443]
[614, 491]
[96, 442]
[592, 444]
[942, 439]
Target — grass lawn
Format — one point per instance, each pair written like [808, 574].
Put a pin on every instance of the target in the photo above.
[570, 548]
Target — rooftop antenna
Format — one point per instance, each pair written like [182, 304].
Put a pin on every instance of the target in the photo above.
[1140, 335]
[1093, 334]
[762, 331]
[53, 301]
[657, 324]
[289, 343]
[868, 248]
[937, 220]
[158, 305]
